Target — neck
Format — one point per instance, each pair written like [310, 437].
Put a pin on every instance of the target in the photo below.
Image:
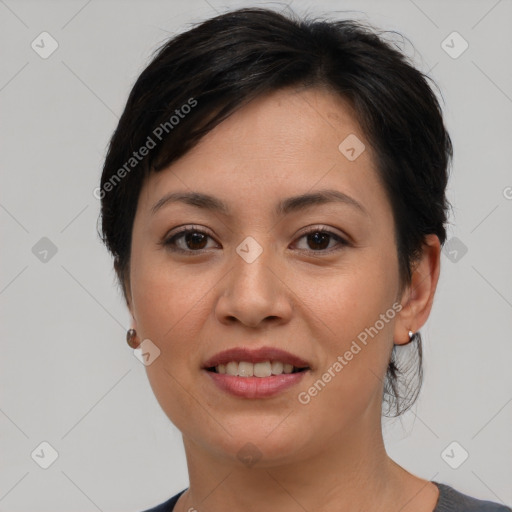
[349, 471]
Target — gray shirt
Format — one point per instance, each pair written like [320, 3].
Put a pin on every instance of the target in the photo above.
[449, 500]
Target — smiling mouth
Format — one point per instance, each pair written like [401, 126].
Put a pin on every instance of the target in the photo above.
[261, 369]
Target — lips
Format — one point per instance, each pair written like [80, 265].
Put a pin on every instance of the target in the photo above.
[255, 356]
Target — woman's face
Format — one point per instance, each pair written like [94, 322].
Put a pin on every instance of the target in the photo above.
[312, 296]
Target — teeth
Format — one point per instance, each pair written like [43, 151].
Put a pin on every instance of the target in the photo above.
[277, 367]
[232, 368]
[262, 369]
[247, 369]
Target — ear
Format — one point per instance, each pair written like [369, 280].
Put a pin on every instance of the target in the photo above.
[418, 296]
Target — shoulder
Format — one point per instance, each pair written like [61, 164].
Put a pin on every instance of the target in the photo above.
[167, 506]
[451, 500]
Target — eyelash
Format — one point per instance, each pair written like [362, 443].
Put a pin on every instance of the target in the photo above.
[170, 242]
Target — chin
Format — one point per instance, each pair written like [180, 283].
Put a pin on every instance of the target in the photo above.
[270, 444]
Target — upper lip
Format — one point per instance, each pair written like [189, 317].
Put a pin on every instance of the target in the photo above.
[255, 356]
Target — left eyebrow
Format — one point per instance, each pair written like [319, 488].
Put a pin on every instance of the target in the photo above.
[284, 207]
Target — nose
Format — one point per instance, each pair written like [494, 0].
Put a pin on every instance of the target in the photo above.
[254, 292]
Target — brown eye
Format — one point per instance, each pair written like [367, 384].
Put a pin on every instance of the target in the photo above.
[318, 240]
[195, 240]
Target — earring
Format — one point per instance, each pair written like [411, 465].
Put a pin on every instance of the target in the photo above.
[132, 339]
[411, 335]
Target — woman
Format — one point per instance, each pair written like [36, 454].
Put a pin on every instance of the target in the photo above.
[274, 199]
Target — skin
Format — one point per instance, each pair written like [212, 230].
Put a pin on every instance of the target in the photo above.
[329, 454]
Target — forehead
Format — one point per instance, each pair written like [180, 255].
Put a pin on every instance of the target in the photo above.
[284, 123]
[283, 143]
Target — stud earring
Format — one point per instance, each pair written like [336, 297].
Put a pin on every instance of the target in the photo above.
[132, 339]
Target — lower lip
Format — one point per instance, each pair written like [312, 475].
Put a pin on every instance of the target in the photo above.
[256, 387]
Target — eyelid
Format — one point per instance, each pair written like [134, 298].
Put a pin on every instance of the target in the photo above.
[177, 230]
[321, 228]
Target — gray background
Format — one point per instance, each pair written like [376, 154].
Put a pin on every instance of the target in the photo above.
[67, 375]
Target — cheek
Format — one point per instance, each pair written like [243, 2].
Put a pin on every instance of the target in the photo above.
[167, 303]
[353, 313]
[351, 298]
[166, 295]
